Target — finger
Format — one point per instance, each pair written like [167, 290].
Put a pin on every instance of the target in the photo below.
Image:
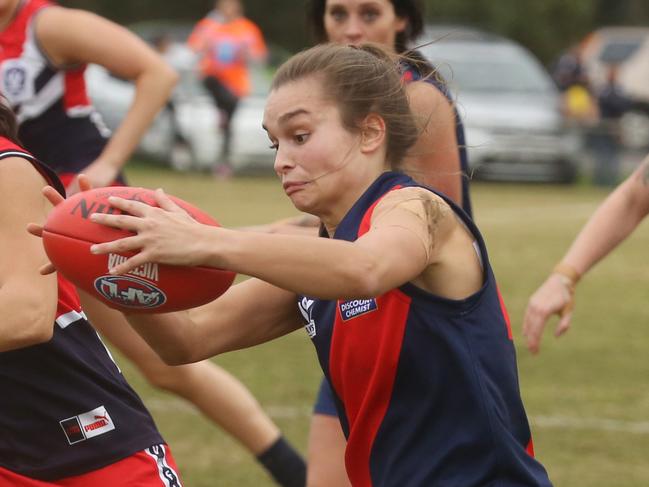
[533, 329]
[47, 269]
[165, 202]
[564, 324]
[129, 264]
[35, 229]
[52, 195]
[84, 182]
[123, 222]
[132, 207]
[73, 187]
[120, 246]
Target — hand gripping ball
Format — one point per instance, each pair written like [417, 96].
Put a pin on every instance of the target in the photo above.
[150, 288]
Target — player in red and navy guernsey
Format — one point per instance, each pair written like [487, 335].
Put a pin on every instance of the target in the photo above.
[67, 413]
[400, 301]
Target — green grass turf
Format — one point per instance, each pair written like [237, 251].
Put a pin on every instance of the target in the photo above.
[586, 394]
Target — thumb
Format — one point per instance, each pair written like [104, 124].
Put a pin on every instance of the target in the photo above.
[564, 324]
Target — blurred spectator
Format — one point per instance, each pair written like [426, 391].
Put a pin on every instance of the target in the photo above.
[580, 104]
[227, 42]
[568, 69]
[605, 137]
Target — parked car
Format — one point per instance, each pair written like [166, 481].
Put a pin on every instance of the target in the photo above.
[628, 49]
[509, 104]
[196, 117]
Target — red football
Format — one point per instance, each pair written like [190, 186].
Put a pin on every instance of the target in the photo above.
[151, 288]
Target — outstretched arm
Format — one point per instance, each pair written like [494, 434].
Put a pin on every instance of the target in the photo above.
[389, 255]
[248, 314]
[612, 222]
[72, 37]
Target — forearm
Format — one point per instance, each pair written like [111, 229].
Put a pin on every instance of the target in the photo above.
[153, 89]
[223, 325]
[611, 224]
[173, 336]
[316, 267]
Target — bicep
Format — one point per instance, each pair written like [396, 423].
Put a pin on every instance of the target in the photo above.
[434, 160]
[249, 313]
[89, 38]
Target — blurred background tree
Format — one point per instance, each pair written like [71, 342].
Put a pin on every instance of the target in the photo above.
[545, 26]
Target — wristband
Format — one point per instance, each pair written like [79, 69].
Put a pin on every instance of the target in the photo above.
[569, 273]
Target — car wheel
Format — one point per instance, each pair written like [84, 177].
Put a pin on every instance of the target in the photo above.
[634, 130]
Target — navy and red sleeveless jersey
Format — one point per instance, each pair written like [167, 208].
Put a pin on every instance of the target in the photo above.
[65, 407]
[411, 73]
[426, 387]
[57, 122]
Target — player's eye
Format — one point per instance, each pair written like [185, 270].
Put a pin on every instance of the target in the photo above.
[338, 14]
[370, 15]
[301, 138]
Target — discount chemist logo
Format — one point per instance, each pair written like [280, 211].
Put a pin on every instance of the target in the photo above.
[356, 307]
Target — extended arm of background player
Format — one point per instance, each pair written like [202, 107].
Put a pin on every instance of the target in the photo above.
[614, 220]
[28, 300]
[70, 37]
[248, 314]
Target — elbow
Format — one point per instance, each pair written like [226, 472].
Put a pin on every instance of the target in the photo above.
[168, 75]
[365, 281]
[159, 75]
[172, 76]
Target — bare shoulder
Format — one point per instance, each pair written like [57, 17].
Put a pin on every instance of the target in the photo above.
[426, 96]
[430, 208]
[19, 179]
[51, 19]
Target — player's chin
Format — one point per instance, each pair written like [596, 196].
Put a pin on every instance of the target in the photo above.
[302, 201]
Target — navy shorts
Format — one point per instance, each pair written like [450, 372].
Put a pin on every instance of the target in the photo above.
[325, 403]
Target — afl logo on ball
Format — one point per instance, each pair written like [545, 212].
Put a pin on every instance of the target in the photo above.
[130, 292]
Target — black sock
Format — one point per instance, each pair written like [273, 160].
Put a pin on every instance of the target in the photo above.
[284, 464]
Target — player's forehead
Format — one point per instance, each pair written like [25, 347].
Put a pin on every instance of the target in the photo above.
[304, 97]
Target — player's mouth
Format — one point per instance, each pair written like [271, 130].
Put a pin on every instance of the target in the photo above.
[293, 187]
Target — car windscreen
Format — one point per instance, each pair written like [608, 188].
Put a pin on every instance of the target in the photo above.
[491, 72]
[619, 51]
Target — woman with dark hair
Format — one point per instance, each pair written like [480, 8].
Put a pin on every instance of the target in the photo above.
[398, 296]
[439, 158]
[67, 416]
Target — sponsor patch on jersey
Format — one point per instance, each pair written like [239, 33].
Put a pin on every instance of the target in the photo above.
[356, 307]
[87, 425]
[130, 292]
[305, 305]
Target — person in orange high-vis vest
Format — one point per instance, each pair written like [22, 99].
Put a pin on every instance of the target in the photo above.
[227, 42]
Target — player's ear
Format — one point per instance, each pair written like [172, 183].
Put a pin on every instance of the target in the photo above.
[372, 133]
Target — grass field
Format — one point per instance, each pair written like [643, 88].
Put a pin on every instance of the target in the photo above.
[587, 394]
